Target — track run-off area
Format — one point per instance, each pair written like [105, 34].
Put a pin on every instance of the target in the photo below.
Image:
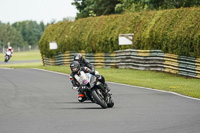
[36, 101]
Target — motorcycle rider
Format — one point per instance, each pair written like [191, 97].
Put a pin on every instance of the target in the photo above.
[84, 62]
[9, 49]
[77, 70]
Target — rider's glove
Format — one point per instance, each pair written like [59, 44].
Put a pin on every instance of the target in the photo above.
[75, 88]
[98, 76]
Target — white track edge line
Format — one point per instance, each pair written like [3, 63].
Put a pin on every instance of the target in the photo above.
[128, 85]
[50, 71]
[5, 68]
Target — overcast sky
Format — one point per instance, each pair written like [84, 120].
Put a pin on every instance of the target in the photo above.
[36, 10]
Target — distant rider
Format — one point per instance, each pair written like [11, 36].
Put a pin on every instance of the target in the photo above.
[77, 72]
[9, 49]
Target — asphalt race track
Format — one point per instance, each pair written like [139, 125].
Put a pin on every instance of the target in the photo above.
[34, 101]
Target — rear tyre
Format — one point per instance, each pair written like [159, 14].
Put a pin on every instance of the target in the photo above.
[98, 97]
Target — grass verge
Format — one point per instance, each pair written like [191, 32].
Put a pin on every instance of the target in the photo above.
[27, 55]
[149, 79]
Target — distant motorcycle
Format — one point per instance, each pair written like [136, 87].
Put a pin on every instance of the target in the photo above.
[94, 91]
[7, 56]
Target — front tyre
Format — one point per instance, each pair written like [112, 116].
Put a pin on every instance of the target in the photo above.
[6, 59]
[110, 102]
[98, 97]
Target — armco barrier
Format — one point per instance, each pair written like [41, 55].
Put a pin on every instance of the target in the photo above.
[140, 59]
[99, 60]
[157, 60]
[134, 59]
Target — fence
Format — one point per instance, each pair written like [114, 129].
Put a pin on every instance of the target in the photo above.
[135, 59]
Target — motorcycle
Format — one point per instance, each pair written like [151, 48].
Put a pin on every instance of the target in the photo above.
[95, 91]
[7, 56]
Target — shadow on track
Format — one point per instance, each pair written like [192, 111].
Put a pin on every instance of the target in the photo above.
[74, 102]
[82, 108]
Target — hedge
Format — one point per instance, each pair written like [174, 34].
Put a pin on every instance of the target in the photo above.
[174, 31]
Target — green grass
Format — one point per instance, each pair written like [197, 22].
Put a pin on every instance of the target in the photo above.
[22, 65]
[155, 80]
[27, 55]
[151, 79]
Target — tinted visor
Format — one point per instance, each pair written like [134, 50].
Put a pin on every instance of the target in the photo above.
[74, 69]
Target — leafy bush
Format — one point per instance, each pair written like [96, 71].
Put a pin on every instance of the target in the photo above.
[174, 31]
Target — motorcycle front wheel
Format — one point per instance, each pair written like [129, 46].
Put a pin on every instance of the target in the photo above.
[6, 59]
[98, 97]
[110, 102]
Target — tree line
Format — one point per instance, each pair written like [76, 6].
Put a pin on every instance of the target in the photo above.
[91, 8]
[21, 34]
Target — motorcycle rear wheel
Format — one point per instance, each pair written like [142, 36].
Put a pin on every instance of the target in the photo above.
[99, 99]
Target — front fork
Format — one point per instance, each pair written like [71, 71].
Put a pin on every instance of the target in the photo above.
[105, 92]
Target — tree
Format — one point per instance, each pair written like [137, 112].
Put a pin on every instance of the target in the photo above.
[89, 8]
[42, 25]
[131, 5]
[138, 5]
[81, 7]
[30, 30]
[105, 7]
[10, 34]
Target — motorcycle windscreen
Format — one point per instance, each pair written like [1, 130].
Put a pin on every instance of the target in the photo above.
[92, 81]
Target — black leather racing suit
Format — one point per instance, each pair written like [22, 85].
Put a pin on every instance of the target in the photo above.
[86, 63]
